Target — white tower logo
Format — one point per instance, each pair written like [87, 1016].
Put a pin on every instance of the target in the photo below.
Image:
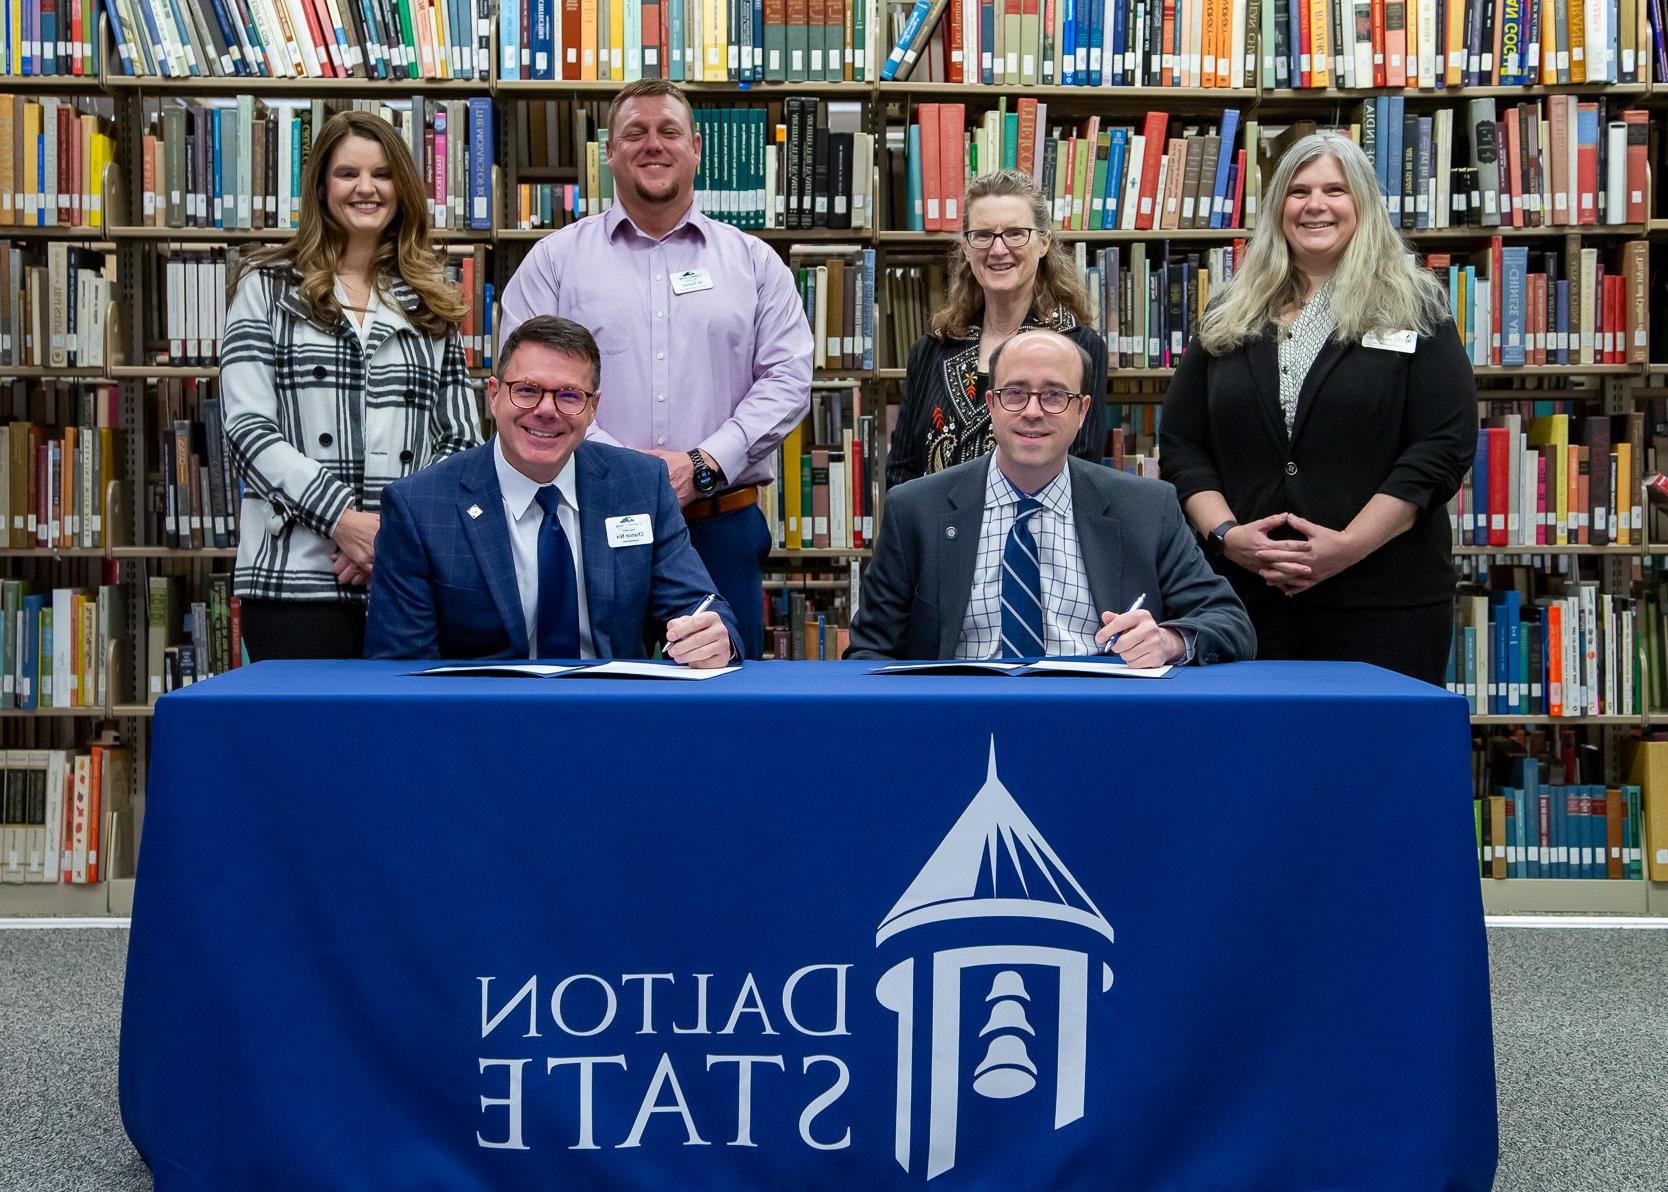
[993, 865]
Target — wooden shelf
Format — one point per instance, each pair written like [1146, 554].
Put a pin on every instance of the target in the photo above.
[51, 84]
[1530, 371]
[788, 555]
[1172, 98]
[1497, 551]
[231, 235]
[78, 233]
[1511, 721]
[99, 713]
[133, 711]
[550, 89]
[1543, 232]
[22, 372]
[1311, 95]
[55, 899]
[49, 552]
[233, 85]
[171, 552]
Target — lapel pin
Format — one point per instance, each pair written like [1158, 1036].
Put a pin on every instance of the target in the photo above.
[474, 511]
[949, 531]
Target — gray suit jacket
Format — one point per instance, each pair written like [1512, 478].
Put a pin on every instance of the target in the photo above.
[1131, 532]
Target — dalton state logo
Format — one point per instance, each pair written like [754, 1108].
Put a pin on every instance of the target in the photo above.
[999, 940]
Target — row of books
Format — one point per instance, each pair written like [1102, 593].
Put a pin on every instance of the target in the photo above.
[238, 163]
[813, 626]
[192, 494]
[55, 303]
[838, 296]
[1145, 300]
[50, 37]
[189, 639]
[316, 39]
[827, 487]
[54, 480]
[56, 649]
[1651, 632]
[53, 154]
[1453, 43]
[58, 810]
[1132, 438]
[1539, 830]
[1553, 162]
[1074, 43]
[911, 294]
[773, 41]
[1515, 307]
[1554, 481]
[1564, 654]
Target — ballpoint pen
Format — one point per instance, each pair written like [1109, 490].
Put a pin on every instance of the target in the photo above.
[706, 603]
[1106, 646]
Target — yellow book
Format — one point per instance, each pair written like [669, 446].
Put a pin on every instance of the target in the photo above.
[1414, 62]
[8, 176]
[616, 40]
[17, 33]
[591, 202]
[1577, 21]
[1320, 31]
[1453, 67]
[1553, 431]
[792, 500]
[715, 40]
[1625, 496]
[588, 38]
[440, 24]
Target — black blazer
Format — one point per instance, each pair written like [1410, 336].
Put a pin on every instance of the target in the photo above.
[1369, 420]
[1130, 531]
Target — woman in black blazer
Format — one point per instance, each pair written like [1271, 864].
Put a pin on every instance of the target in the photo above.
[1317, 426]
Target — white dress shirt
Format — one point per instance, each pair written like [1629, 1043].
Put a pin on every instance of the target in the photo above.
[523, 513]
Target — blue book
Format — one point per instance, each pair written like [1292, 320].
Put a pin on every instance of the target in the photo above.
[1479, 491]
[1220, 196]
[232, 62]
[674, 51]
[28, 685]
[1097, 43]
[1294, 25]
[1393, 163]
[759, 45]
[868, 308]
[917, 16]
[489, 343]
[480, 162]
[1470, 670]
[46, 61]
[217, 170]
[122, 48]
[509, 39]
[1115, 44]
[1514, 264]
[916, 217]
[1496, 660]
[1115, 177]
[1515, 685]
[1068, 44]
[542, 43]
[1526, 772]
[987, 39]
[1081, 24]
[1561, 320]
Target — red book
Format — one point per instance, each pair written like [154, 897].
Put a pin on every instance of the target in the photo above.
[1236, 214]
[1304, 75]
[569, 67]
[952, 168]
[957, 68]
[1147, 204]
[1542, 510]
[1379, 73]
[1496, 274]
[316, 32]
[78, 34]
[651, 64]
[236, 620]
[1638, 122]
[932, 219]
[1499, 483]
[1586, 172]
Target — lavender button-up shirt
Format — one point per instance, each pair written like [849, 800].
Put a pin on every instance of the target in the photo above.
[726, 369]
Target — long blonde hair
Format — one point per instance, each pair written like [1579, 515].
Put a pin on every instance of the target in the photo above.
[1378, 286]
[1057, 287]
[406, 250]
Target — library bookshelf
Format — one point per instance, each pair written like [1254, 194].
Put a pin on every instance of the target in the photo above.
[135, 365]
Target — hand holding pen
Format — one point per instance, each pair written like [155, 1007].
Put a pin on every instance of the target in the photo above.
[699, 639]
[1108, 618]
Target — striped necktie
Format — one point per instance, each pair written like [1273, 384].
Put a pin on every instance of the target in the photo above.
[1022, 620]
[558, 600]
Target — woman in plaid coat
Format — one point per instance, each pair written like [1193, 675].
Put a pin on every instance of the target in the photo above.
[342, 370]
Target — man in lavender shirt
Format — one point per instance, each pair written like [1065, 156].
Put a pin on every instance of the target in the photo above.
[706, 354]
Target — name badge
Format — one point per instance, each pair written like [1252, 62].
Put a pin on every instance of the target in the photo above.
[690, 281]
[1397, 341]
[632, 530]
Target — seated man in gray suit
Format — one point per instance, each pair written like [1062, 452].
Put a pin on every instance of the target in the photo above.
[1032, 553]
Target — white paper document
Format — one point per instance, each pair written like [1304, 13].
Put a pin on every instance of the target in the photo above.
[621, 668]
[1088, 667]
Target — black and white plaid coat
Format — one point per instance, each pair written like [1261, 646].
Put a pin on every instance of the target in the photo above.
[317, 424]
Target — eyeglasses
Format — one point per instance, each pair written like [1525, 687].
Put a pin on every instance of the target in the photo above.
[526, 396]
[1014, 398]
[983, 238]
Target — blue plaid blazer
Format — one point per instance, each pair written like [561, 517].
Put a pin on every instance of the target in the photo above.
[445, 586]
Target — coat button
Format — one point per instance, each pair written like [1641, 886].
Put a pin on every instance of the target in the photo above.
[405, 457]
[1291, 468]
[326, 439]
[949, 531]
[318, 372]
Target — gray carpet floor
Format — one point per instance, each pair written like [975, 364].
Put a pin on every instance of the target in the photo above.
[1580, 1021]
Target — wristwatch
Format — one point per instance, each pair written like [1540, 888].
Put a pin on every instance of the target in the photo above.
[706, 480]
[1216, 542]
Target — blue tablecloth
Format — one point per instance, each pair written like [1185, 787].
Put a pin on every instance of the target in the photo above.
[807, 927]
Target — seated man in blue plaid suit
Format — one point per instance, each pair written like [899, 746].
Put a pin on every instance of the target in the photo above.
[1031, 553]
[539, 544]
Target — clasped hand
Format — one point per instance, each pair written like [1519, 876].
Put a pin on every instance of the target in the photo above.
[1290, 565]
[355, 553]
[700, 641]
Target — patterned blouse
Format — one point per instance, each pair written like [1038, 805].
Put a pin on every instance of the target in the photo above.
[943, 420]
[1299, 344]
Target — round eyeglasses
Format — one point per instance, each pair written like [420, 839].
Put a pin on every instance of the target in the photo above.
[526, 396]
[983, 238]
[1014, 398]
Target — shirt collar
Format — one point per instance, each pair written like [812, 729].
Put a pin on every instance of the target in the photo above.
[519, 489]
[694, 219]
[1055, 495]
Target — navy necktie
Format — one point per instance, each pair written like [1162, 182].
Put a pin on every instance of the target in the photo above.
[1021, 588]
[558, 605]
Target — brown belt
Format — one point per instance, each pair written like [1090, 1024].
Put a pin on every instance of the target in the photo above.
[726, 502]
